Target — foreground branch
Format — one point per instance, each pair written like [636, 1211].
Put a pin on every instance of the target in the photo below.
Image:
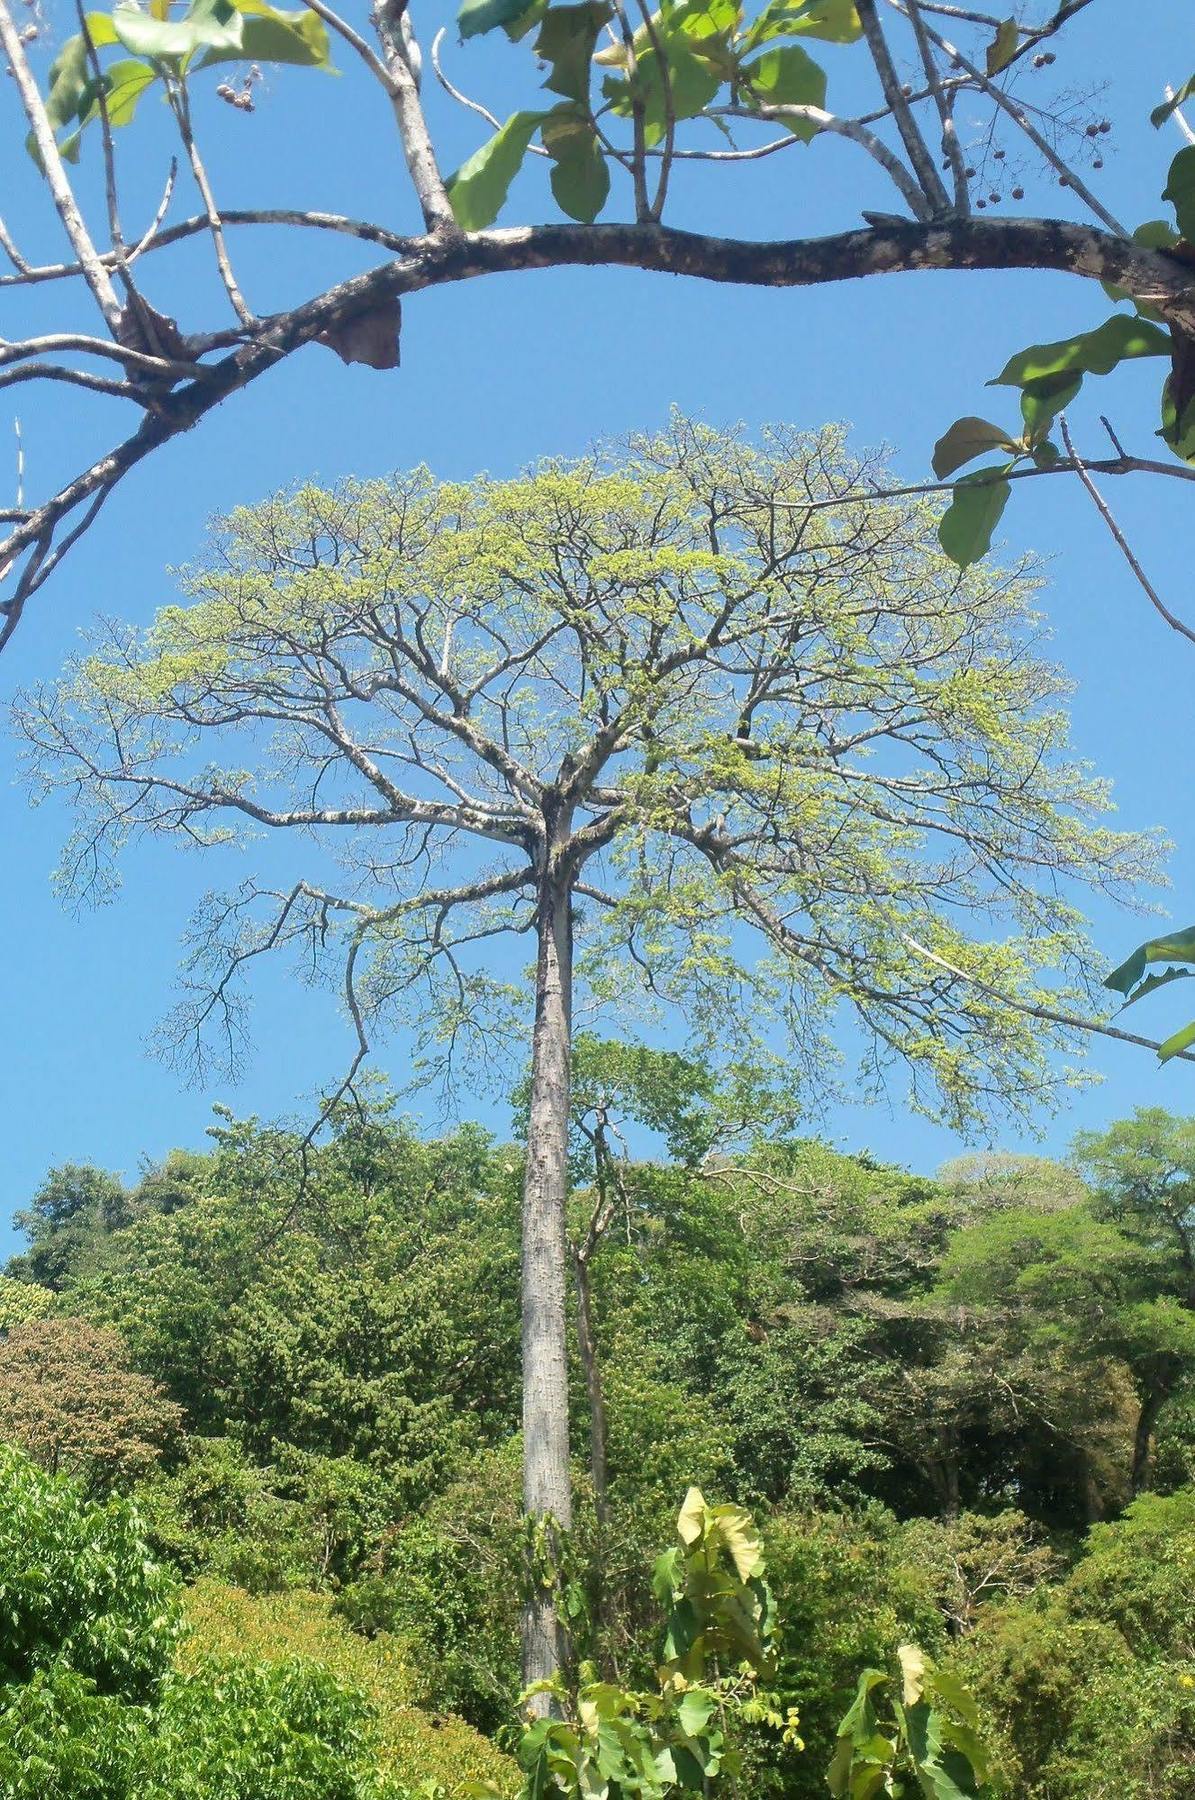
[959, 244]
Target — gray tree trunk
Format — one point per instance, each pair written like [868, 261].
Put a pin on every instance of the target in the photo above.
[546, 1485]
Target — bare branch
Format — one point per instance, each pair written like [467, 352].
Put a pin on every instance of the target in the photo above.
[937, 202]
[1105, 511]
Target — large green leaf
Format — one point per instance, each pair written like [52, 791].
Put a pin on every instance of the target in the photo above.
[965, 531]
[1042, 401]
[124, 84]
[968, 438]
[478, 16]
[788, 76]
[1180, 191]
[834, 21]
[1003, 46]
[1175, 946]
[214, 23]
[270, 36]
[580, 173]
[566, 42]
[692, 80]
[1181, 1040]
[479, 188]
[1117, 340]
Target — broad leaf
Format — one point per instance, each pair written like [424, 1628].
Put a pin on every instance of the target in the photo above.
[1042, 401]
[788, 76]
[214, 23]
[1003, 46]
[566, 42]
[1160, 114]
[479, 188]
[1152, 983]
[1181, 1040]
[691, 1523]
[1180, 191]
[478, 16]
[298, 38]
[968, 438]
[1117, 340]
[124, 84]
[692, 82]
[1176, 946]
[965, 531]
[580, 173]
[834, 21]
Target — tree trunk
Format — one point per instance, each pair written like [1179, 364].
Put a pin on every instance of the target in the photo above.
[1147, 1418]
[546, 1486]
[592, 1370]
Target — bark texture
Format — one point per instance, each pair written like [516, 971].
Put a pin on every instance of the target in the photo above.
[546, 1486]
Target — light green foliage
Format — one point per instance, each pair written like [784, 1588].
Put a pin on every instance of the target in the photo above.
[1092, 1685]
[21, 1302]
[764, 871]
[77, 1588]
[926, 1743]
[299, 1630]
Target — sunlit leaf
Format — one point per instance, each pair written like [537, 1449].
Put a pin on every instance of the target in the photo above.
[566, 43]
[479, 188]
[1117, 340]
[580, 173]
[788, 76]
[1175, 946]
[834, 21]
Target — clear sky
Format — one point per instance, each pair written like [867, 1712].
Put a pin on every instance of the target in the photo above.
[496, 373]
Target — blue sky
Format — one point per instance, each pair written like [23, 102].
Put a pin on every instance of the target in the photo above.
[496, 373]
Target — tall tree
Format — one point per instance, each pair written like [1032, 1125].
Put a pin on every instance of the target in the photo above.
[633, 98]
[712, 743]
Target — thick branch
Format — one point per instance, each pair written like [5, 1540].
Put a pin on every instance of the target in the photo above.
[958, 244]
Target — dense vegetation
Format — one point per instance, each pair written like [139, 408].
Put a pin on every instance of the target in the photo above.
[958, 1408]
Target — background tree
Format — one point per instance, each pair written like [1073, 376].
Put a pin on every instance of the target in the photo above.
[70, 1400]
[69, 1216]
[632, 99]
[711, 743]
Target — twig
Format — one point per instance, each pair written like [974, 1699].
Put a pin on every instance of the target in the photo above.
[176, 94]
[454, 93]
[1020, 118]
[944, 104]
[847, 128]
[1105, 512]
[639, 156]
[67, 207]
[936, 199]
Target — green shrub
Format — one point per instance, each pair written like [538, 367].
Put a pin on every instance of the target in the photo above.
[412, 1747]
[78, 1590]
